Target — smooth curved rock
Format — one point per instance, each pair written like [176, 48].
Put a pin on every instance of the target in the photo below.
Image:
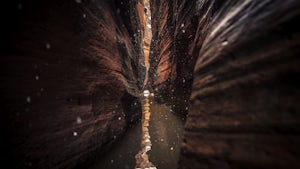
[70, 71]
[173, 30]
[245, 88]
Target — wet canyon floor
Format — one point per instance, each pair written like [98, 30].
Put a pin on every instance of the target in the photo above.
[165, 129]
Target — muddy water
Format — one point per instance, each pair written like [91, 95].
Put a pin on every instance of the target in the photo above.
[165, 130]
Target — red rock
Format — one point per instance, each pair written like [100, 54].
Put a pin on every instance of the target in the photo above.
[64, 61]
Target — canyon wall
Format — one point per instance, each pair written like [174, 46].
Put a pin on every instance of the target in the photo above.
[72, 71]
[70, 76]
[244, 111]
[240, 58]
[173, 27]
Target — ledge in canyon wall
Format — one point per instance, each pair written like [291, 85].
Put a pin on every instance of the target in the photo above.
[70, 74]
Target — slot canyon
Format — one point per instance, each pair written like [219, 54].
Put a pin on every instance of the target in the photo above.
[141, 84]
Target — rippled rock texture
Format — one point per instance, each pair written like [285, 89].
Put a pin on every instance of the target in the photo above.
[243, 56]
[173, 27]
[245, 92]
[70, 71]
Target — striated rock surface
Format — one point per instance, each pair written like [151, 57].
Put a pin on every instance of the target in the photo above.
[243, 56]
[172, 65]
[178, 32]
[70, 71]
[244, 110]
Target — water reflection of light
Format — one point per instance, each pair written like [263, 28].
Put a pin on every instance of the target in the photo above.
[146, 93]
[142, 159]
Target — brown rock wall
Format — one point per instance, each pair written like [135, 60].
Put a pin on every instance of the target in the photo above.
[69, 72]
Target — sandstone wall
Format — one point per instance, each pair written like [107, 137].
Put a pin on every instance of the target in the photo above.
[69, 77]
[244, 111]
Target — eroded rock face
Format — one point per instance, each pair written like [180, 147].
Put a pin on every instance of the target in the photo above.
[70, 74]
[173, 27]
[179, 29]
[243, 56]
[244, 111]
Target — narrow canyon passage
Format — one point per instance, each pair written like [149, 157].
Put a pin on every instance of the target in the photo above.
[166, 131]
[222, 76]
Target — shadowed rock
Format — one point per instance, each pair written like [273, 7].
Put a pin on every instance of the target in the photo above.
[70, 71]
[245, 88]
